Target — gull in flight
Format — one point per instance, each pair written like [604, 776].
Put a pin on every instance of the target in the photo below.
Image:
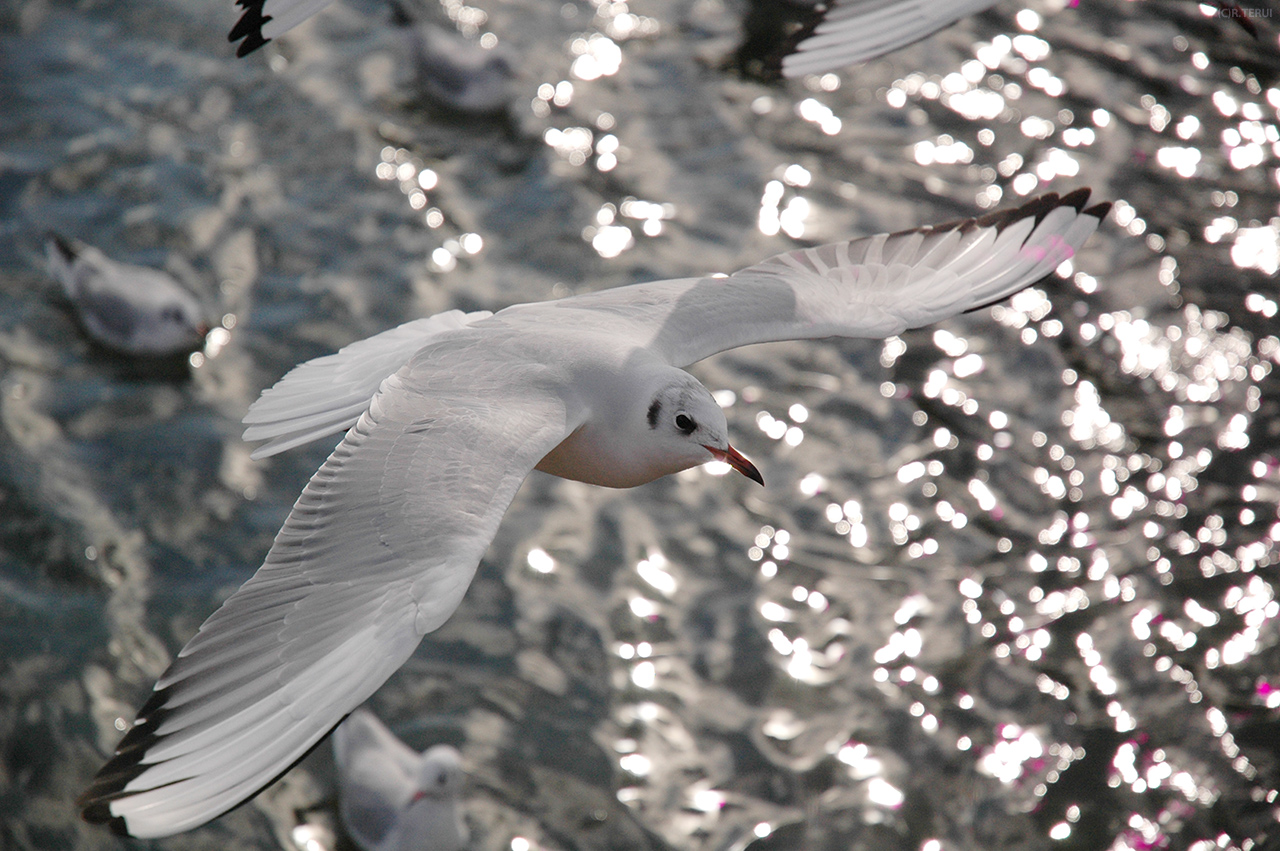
[815, 36]
[790, 38]
[793, 38]
[445, 418]
[393, 798]
[132, 309]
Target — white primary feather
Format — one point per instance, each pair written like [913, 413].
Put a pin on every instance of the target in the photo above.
[384, 540]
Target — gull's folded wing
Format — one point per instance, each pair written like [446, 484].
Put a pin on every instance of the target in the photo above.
[326, 395]
[872, 287]
[263, 20]
[376, 553]
[852, 31]
[377, 772]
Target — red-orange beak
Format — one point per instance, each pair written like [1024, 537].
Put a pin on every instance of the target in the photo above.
[737, 461]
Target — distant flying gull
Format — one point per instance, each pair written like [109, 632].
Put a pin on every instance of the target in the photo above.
[393, 798]
[827, 35]
[447, 417]
[790, 38]
[133, 309]
[817, 37]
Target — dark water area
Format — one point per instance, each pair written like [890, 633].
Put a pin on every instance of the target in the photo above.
[1012, 582]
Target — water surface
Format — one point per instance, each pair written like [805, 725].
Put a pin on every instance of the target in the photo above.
[1012, 583]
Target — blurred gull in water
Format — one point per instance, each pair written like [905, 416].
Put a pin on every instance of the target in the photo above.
[448, 416]
[394, 799]
[133, 309]
[455, 71]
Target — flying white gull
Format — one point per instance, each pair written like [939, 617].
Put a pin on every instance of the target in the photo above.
[826, 36]
[788, 37]
[792, 38]
[447, 417]
[392, 798]
[133, 309]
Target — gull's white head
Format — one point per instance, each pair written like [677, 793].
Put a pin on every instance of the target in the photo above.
[439, 775]
[686, 427]
[658, 421]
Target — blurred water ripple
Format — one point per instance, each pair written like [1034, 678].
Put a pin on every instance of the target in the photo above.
[1012, 583]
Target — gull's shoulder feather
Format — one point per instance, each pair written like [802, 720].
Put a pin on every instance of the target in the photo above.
[377, 552]
[326, 395]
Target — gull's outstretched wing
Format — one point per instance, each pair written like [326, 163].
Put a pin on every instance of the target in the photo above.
[326, 395]
[376, 553]
[852, 31]
[263, 20]
[377, 772]
[872, 287]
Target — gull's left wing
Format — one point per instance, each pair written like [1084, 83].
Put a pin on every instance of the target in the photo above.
[376, 553]
[875, 287]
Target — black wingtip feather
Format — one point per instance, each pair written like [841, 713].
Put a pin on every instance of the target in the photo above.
[100, 813]
[110, 781]
[249, 27]
[1040, 207]
[1099, 211]
[772, 29]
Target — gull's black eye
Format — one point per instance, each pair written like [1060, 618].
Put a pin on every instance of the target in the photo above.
[171, 314]
[685, 423]
[442, 778]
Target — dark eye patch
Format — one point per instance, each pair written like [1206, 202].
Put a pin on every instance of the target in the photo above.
[654, 410]
[685, 423]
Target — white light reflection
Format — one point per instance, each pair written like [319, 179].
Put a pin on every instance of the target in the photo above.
[1004, 760]
[653, 571]
[598, 56]
[540, 561]
[1257, 248]
[820, 114]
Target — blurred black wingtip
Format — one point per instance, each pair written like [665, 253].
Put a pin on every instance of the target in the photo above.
[249, 27]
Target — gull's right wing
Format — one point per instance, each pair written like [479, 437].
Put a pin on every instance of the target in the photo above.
[377, 552]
